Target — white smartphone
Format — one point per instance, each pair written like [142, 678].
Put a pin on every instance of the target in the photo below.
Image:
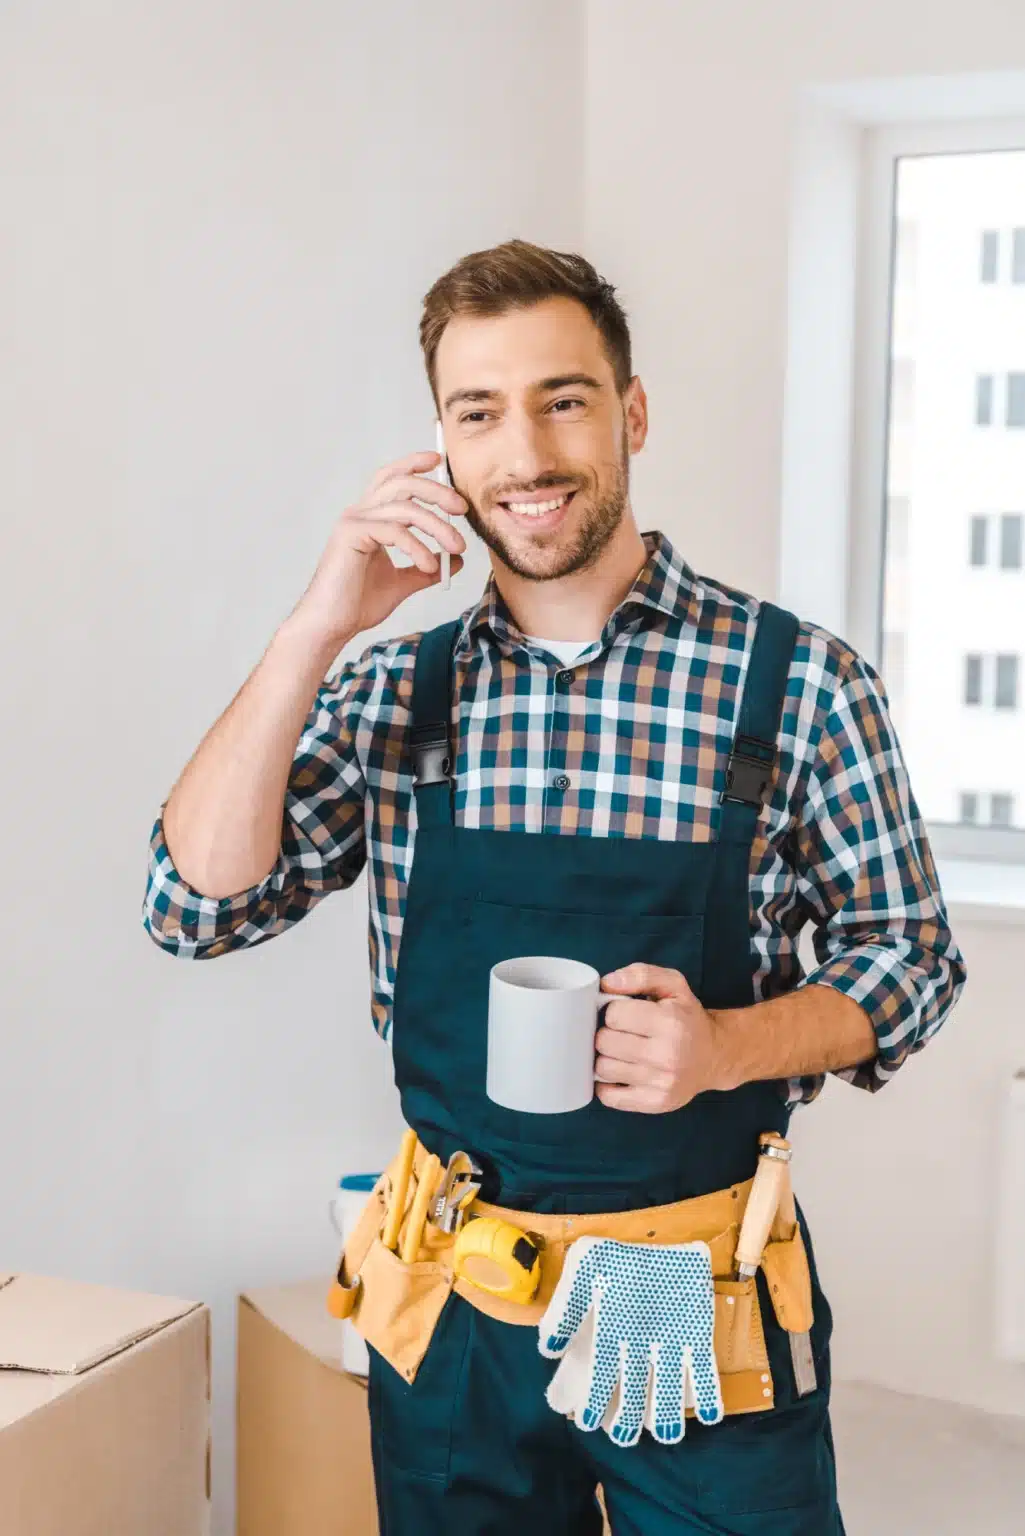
[441, 475]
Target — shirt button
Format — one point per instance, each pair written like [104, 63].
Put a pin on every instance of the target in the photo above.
[564, 678]
[561, 781]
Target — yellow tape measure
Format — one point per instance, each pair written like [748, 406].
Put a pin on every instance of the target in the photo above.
[497, 1257]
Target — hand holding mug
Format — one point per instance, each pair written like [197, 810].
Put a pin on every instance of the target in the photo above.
[657, 1047]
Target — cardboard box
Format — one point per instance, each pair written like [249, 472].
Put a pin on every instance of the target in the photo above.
[303, 1442]
[104, 1411]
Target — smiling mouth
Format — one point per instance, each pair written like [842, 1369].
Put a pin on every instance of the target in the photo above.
[538, 514]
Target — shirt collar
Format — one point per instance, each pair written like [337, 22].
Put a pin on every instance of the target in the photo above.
[664, 584]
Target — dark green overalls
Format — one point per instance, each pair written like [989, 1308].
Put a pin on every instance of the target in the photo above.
[471, 1447]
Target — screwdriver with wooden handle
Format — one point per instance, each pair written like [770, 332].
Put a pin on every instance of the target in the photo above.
[771, 1192]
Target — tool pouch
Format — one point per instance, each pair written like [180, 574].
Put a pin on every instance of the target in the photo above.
[739, 1340]
[399, 1304]
[785, 1263]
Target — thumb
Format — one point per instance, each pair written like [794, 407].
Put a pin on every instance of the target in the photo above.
[654, 981]
[413, 579]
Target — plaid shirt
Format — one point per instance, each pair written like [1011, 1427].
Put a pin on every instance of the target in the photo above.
[642, 726]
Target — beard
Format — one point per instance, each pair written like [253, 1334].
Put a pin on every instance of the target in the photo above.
[570, 550]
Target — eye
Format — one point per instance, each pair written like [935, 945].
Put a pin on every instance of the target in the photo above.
[565, 401]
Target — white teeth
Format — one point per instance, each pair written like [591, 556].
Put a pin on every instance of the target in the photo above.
[535, 508]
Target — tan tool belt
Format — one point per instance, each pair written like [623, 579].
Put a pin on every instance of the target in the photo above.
[398, 1304]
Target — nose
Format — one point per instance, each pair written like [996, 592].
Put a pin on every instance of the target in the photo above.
[528, 451]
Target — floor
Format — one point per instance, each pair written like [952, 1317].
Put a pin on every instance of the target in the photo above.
[909, 1466]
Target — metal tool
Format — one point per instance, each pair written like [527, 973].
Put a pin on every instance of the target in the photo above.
[802, 1358]
[459, 1188]
[771, 1192]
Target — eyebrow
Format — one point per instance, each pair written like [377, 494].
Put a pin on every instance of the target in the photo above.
[557, 381]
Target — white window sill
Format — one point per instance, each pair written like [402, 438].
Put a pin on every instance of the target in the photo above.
[977, 890]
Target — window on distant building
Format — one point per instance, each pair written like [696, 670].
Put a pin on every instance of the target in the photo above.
[984, 400]
[969, 807]
[989, 256]
[1001, 810]
[1018, 256]
[1006, 693]
[1016, 399]
[980, 526]
[1012, 525]
[973, 679]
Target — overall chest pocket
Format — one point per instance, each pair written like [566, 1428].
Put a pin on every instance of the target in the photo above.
[492, 932]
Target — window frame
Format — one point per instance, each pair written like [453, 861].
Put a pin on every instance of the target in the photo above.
[882, 148]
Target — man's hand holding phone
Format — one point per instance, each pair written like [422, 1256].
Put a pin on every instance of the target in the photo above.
[355, 585]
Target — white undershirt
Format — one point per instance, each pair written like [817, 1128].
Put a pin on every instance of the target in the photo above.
[566, 650]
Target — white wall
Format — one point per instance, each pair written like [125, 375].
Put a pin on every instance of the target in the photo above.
[693, 119]
[223, 220]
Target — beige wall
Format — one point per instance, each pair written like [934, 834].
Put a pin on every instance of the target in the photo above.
[692, 120]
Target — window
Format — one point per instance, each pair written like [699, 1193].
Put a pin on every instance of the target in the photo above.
[1016, 399]
[1018, 256]
[969, 807]
[951, 599]
[973, 679]
[1001, 810]
[1006, 693]
[984, 400]
[1011, 541]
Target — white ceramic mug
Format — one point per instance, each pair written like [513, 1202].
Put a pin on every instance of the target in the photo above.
[542, 1017]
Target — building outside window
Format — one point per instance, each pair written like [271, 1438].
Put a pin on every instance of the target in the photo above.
[1012, 543]
[969, 807]
[1016, 399]
[952, 607]
[1018, 256]
[973, 679]
[984, 400]
[1006, 691]
[1001, 810]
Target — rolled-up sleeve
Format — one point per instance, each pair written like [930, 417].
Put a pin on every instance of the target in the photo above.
[867, 881]
[323, 843]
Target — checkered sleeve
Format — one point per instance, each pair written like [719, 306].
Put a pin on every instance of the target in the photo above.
[323, 845]
[867, 880]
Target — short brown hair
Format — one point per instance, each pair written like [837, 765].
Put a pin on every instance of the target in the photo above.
[516, 275]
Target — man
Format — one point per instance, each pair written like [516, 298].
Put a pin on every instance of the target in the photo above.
[643, 769]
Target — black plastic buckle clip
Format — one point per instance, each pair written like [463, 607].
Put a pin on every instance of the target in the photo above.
[749, 771]
[432, 757]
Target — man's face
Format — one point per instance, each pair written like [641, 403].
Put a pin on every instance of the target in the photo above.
[514, 434]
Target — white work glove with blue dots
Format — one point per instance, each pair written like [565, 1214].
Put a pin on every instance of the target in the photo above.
[632, 1325]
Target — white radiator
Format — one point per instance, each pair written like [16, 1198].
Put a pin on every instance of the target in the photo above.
[1009, 1267]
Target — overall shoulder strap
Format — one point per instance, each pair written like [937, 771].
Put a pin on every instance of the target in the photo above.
[433, 763]
[753, 758]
